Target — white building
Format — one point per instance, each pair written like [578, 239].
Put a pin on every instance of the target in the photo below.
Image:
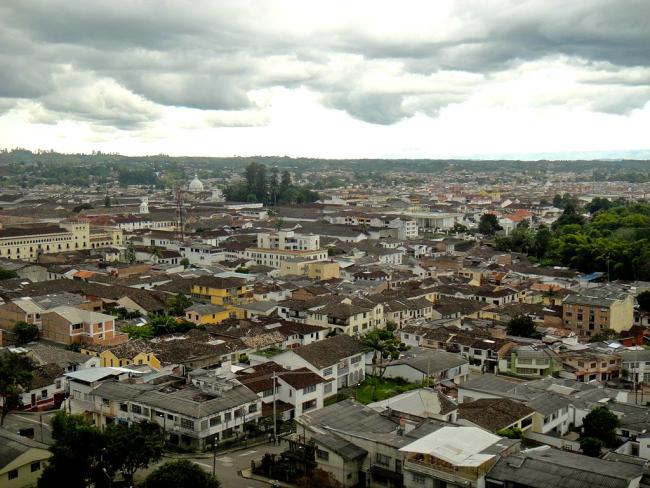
[288, 240]
[338, 358]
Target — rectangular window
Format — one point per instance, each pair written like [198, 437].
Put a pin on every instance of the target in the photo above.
[309, 389]
[13, 474]
[322, 455]
[227, 416]
[382, 459]
[215, 421]
[124, 407]
[327, 372]
[36, 466]
[419, 478]
[356, 359]
[327, 389]
[136, 409]
[252, 408]
[311, 404]
[187, 424]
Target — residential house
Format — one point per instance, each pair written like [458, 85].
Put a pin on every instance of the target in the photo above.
[22, 460]
[589, 364]
[42, 354]
[339, 357]
[46, 390]
[350, 316]
[69, 325]
[418, 405]
[206, 313]
[222, 291]
[496, 414]
[301, 388]
[546, 467]
[420, 365]
[453, 456]
[191, 416]
[534, 360]
[635, 365]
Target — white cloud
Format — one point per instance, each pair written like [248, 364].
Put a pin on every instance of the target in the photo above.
[332, 79]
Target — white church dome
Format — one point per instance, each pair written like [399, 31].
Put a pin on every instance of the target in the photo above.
[196, 185]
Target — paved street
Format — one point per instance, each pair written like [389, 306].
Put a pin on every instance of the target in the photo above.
[42, 430]
[228, 465]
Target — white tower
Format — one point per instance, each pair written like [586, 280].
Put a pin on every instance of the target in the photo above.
[144, 206]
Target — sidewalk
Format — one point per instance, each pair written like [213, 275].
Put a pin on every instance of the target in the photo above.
[247, 474]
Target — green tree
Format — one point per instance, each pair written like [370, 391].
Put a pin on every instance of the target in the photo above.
[489, 225]
[107, 201]
[384, 345]
[178, 304]
[274, 185]
[132, 447]
[643, 299]
[185, 262]
[15, 378]
[168, 324]
[591, 446]
[261, 187]
[541, 242]
[285, 181]
[598, 204]
[511, 433]
[180, 474]
[130, 253]
[25, 332]
[6, 274]
[601, 423]
[458, 228]
[522, 326]
[138, 331]
[569, 216]
[76, 460]
[83, 206]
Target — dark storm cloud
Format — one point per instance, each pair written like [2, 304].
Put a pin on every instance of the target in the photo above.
[130, 57]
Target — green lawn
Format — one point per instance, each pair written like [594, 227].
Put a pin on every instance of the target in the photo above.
[384, 388]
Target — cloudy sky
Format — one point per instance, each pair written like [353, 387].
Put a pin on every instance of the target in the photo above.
[333, 79]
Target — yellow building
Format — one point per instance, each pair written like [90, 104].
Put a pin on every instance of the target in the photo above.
[134, 352]
[207, 313]
[323, 270]
[27, 242]
[222, 291]
[21, 460]
[349, 316]
[315, 270]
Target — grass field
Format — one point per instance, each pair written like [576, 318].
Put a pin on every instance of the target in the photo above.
[383, 388]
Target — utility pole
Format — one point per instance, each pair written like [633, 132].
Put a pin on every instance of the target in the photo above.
[214, 456]
[274, 421]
